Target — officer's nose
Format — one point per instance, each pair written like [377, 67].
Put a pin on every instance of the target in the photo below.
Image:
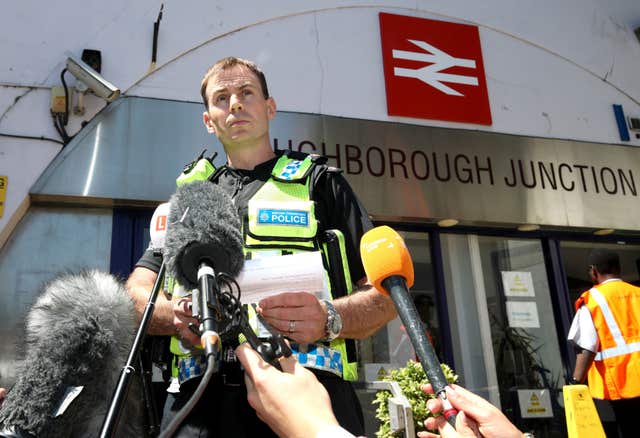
[236, 105]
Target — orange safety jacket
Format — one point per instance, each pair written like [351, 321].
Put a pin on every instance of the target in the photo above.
[615, 309]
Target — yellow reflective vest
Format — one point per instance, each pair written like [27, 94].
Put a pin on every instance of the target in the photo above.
[280, 219]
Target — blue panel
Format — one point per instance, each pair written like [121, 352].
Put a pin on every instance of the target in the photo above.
[128, 239]
[622, 123]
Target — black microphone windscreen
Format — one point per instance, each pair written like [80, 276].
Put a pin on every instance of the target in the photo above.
[203, 225]
[78, 334]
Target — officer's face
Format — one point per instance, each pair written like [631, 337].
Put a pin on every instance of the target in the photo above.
[238, 113]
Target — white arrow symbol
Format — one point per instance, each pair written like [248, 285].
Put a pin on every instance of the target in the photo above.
[430, 74]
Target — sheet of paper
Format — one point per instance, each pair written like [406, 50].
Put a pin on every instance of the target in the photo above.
[300, 272]
[517, 284]
[523, 314]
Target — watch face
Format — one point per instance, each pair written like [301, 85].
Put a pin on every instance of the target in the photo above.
[336, 323]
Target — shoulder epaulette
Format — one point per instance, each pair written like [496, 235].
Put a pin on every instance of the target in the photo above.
[200, 169]
[290, 169]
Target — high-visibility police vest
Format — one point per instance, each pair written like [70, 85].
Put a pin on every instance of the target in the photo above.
[615, 310]
[280, 218]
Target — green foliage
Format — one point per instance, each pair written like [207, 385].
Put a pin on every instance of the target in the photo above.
[410, 378]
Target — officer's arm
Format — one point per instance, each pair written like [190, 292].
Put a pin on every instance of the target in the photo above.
[139, 286]
[364, 311]
[583, 362]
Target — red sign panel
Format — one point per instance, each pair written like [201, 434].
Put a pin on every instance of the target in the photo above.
[433, 70]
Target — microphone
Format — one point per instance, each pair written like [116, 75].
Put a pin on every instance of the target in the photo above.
[158, 227]
[203, 237]
[77, 333]
[203, 227]
[389, 268]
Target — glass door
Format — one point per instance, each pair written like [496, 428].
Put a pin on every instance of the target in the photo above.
[505, 342]
[575, 256]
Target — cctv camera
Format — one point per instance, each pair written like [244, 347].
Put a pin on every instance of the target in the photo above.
[92, 79]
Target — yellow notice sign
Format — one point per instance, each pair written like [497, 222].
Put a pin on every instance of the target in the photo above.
[535, 403]
[582, 417]
[3, 192]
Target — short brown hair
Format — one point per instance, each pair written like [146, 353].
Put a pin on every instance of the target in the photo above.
[227, 63]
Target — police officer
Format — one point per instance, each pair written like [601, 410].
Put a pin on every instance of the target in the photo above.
[606, 332]
[310, 201]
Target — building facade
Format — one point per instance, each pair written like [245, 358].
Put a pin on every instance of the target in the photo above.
[501, 141]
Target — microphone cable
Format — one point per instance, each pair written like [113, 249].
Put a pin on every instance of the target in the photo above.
[232, 313]
[188, 407]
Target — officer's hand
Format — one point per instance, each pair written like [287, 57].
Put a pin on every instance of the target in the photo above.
[182, 317]
[297, 315]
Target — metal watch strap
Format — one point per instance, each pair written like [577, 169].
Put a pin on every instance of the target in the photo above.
[334, 322]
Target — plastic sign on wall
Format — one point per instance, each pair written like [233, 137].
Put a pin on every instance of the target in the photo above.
[522, 314]
[535, 403]
[433, 70]
[3, 192]
[517, 283]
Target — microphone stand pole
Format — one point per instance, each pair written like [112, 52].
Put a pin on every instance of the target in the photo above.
[122, 388]
[209, 310]
[397, 288]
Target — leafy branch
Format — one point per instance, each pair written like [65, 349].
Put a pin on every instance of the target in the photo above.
[410, 378]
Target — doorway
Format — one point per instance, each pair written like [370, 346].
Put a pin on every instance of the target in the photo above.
[504, 335]
[575, 256]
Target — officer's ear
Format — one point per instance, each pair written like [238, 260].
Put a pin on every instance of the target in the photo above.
[208, 123]
[271, 107]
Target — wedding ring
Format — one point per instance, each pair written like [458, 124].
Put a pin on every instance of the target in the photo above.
[292, 326]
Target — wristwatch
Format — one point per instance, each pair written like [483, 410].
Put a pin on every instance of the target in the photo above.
[334, 322]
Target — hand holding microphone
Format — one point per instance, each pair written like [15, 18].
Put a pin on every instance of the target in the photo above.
[389, 268]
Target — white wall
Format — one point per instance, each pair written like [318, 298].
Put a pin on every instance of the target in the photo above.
[553, 68]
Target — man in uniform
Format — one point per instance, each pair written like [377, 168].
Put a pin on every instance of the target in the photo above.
[606, 331]
[238, 111]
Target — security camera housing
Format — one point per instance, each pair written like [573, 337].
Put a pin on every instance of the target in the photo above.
[92, 79]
